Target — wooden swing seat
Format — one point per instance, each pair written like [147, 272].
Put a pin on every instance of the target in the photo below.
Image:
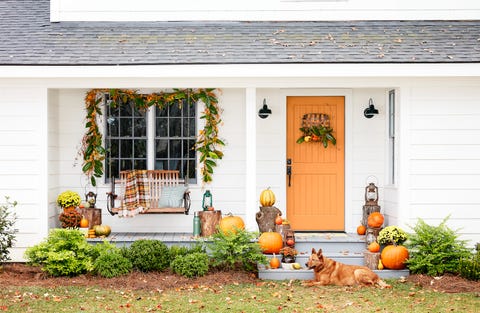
[157, 180]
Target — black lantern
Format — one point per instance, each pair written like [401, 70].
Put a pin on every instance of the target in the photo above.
[264, 112]
[370, 111]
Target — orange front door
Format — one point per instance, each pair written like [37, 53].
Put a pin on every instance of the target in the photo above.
[315, 187]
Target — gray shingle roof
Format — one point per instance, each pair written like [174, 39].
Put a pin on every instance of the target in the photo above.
[28, 38]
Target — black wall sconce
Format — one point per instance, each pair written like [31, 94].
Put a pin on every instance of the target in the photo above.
[370, 111]
[264, 112]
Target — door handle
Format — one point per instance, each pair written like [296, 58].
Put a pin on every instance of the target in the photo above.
[289, 171]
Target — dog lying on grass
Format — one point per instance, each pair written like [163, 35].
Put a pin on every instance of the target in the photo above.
[331, 272]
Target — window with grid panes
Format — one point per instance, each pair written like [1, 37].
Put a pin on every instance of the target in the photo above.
[133, 142]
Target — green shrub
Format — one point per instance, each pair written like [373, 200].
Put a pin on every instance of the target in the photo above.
[469, 268]
[112, 264]
[65, 252]
[149, 255]
[234, 251]
[176, 250]
[191, 265]
[435, 250]
[7, 232]
[102, 248]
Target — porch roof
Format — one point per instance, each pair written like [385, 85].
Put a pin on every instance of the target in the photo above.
[29, 38]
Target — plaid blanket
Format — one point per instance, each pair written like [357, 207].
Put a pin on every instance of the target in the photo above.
[136, 197]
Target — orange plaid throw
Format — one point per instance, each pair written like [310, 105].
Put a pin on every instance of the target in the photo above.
[137, 193]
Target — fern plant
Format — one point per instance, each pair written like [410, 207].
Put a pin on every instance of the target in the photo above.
[435, 250]
[236, 250]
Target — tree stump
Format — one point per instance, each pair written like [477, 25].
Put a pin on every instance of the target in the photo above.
[266, 218]
[93, 215]
[371, 259]
[209, 221]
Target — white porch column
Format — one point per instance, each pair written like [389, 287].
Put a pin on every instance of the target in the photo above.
[250, 158]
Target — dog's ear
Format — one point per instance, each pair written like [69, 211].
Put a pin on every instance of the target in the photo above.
[313, 251]
[319, 253]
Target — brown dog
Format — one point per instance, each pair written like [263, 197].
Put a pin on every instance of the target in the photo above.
[330, 272]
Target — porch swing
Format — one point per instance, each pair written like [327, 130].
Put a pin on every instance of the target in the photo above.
[150, 191]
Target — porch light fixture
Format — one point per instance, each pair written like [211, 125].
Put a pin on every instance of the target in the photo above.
[264, 112]
[370, 111]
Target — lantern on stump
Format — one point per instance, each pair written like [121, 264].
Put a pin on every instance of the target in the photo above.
[371, 202]
[207, 201]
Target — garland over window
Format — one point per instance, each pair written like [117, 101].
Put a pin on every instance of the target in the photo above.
[208, 143]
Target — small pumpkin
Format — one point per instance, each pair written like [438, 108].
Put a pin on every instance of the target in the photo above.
[375, 220]
[361, 230]
[278, 220]
[274, 262]
[231, 224]
[270, 242]
[102, 230]
[374, 247]
[394, 257]
[267, 197]
[83, 222]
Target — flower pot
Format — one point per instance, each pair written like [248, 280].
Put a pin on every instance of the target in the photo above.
[288, 259]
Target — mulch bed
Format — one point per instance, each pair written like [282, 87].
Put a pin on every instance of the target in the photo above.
[20, 274]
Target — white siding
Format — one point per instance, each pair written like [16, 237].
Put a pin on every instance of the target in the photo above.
[23, 161]
[145, 10]
[444, 155]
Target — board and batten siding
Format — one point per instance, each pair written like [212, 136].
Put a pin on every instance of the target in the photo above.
[279, 10]
[444, 155]
[23, 156]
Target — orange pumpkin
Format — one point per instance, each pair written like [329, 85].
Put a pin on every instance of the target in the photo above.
[267, 197]
[375, 220]
[83, 222]
[374, 247]
[394, 257]
[270, 242]
[274, 262]
[361, 230]
[230, 224]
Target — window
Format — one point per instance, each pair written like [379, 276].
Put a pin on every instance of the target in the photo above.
[391, 135]
[167, 142]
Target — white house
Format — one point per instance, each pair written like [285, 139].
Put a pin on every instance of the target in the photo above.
[417, 63]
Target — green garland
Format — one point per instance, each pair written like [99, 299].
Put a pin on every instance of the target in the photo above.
[208, 143]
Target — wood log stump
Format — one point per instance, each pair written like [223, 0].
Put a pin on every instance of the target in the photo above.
[93, 215]
[371, 259]
[209, 221]
[266, 218]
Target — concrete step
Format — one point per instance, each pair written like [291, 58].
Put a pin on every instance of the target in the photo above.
[306, 274]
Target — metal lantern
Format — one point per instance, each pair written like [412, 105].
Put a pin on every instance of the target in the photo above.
[207, 201]
[91, 198]
[371, 194]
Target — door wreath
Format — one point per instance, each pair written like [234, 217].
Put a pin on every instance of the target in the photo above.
[316, 128]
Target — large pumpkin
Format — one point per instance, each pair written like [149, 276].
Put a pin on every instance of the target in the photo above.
[267, 197]
[230, 224]
[394, 257]
[270, 242]
[375, 220]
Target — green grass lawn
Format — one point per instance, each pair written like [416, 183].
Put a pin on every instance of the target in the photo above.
[265, 296]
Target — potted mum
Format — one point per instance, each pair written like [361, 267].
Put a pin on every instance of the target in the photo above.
[288, 254]
[68, 199]
[391, 235]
